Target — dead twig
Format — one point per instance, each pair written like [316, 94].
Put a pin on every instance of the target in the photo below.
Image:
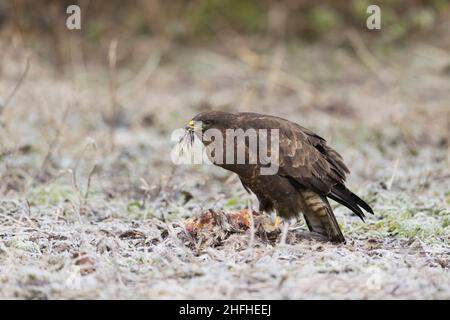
[17, 86]
[394, 173]
[114, 116]
[73, 172]
[88, 184]
[364, 55]
[52, 144]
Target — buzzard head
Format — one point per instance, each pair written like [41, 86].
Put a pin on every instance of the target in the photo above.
[204, 121]
[211, 120]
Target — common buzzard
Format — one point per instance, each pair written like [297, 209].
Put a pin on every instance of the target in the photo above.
[308, 170]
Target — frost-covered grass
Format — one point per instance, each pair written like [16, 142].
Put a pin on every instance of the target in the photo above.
[81, 217]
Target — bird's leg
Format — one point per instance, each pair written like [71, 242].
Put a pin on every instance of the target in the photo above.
[284, 232]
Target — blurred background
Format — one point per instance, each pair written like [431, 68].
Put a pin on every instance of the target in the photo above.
[201, 21]
[86, 118]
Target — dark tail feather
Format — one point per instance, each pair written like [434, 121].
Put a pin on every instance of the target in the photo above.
[355, 209]
[341, 194]
[361, 203]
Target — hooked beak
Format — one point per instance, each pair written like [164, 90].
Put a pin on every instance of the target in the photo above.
[190, 126]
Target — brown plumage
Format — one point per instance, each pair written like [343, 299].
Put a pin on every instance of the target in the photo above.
[309, 172]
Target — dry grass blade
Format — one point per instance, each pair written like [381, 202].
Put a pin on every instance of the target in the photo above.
[18, 84]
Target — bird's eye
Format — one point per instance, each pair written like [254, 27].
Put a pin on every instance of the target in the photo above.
[207, 122]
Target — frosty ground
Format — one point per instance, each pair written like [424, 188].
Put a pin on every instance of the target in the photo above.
[94, 210]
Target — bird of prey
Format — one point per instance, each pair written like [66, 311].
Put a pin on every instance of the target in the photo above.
[308, 172]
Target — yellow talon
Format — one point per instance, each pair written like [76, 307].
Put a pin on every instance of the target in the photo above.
[278, 221]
